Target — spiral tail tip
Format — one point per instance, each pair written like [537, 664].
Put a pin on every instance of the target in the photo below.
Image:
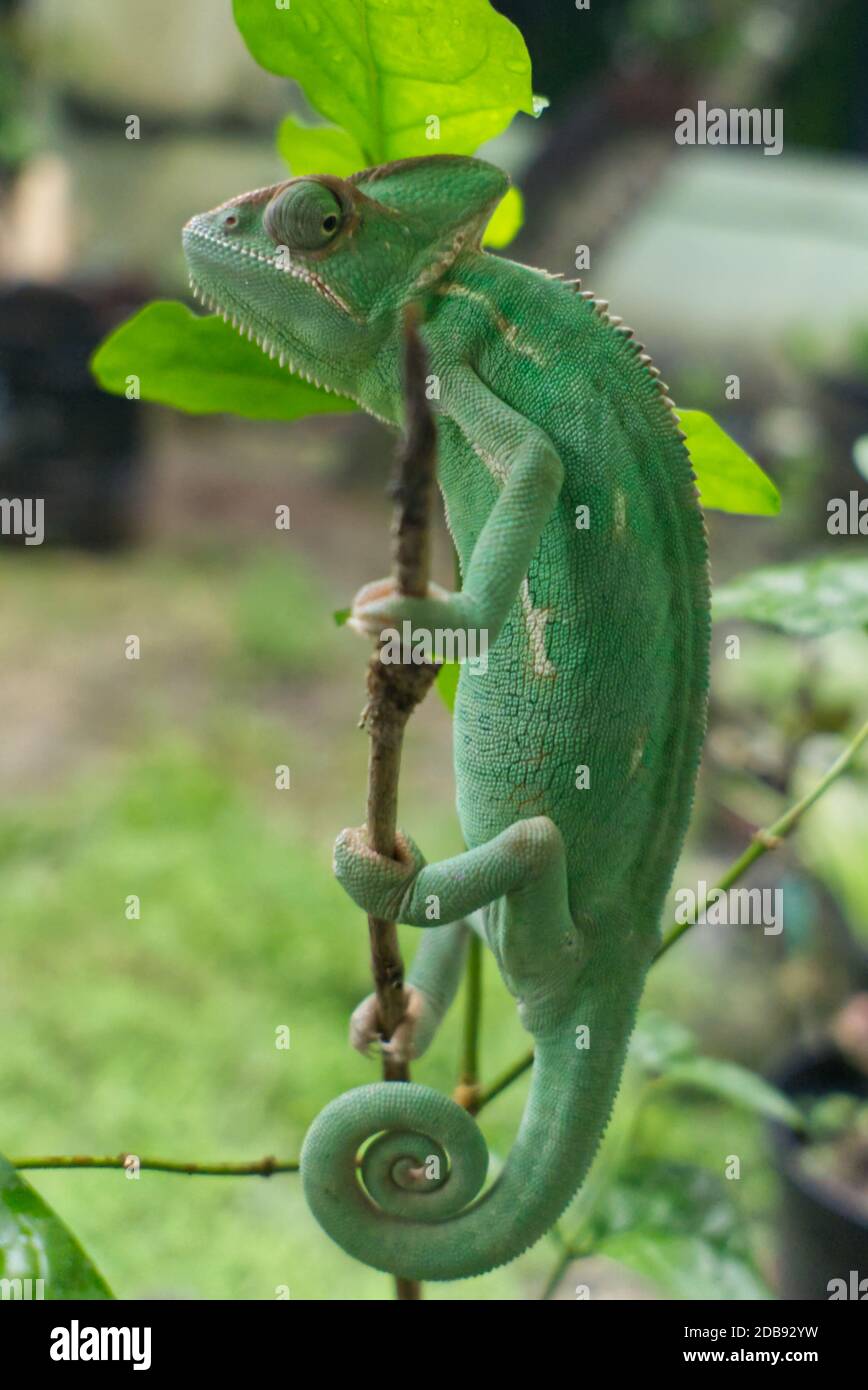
[384, 1165]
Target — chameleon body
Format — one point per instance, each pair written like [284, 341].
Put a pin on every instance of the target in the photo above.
[570, 497]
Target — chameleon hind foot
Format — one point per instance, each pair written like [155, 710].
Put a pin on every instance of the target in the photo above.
[409, 1040]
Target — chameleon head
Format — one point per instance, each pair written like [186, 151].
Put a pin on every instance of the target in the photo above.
[317, 269]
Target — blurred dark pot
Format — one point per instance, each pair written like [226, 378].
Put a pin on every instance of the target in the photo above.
[62, 439]
[822, 1235]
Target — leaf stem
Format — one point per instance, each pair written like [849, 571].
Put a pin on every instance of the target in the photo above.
[770, 837]
[505, 1079]
[468, 1090]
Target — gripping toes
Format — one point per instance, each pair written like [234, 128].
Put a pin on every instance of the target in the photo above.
[381, 605]
[410, 1038]
[378, 884]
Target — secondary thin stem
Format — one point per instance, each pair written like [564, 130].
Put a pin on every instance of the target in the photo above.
[468, 1091]
[770, 837]
[260, 1167]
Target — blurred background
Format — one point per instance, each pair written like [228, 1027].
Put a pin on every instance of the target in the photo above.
[155, 777]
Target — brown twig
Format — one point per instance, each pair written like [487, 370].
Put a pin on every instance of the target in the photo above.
[260, 1167]
[394, 690]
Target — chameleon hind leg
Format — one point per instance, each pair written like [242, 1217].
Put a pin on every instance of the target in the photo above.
[520, 876]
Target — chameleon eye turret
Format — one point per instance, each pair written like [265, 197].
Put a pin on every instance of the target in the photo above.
[305, 216]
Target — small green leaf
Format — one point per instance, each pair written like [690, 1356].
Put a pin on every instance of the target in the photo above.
[658, 1041]
[341, 616]
[447, 683]
[684, 1266]
[35, 1244]
[805, 599]
[380, 71]
[677, 1225]
[727, 477]
[505, 220]
[318, 149]
[736, 1084]
[203, 365]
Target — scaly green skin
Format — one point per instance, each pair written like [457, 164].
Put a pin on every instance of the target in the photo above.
[598, 657]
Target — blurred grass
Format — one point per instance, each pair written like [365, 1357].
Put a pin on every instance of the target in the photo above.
[157, 1036]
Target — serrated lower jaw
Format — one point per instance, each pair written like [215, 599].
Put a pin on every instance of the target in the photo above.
[247, 331]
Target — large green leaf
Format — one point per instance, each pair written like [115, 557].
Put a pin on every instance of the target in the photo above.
[381, 70]
[318, 149]
[506, 219]
[736, 1084]
[35, 1244]
[200, 364]
[806, 599]
[727, 477]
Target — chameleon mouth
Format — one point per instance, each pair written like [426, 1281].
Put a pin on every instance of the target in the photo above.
[283, 266]
[231, 316]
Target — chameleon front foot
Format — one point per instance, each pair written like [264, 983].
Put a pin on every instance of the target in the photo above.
[380, 606]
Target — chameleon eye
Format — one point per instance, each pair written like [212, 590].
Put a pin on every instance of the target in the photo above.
[304, 217]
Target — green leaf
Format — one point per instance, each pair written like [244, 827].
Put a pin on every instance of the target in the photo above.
[341, 616]
[806, 599]
[318, 149]
[506, 219]
[659, 1041]
[447, 683]
[736, 1084]
[684, 1266]
[381, 70]
[727, 477]
[35, 1244]
[203, 365]
[677, 1225]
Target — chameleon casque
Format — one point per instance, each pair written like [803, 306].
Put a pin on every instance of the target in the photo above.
[598, 659]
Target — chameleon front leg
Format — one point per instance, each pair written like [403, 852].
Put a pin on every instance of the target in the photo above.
[509, 538]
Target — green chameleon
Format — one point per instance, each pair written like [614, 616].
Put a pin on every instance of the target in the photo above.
[570, 497]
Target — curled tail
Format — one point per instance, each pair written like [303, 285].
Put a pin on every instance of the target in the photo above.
[407, 1207]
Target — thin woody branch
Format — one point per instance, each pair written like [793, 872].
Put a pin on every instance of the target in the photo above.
[260, 1167]
[395, 690]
